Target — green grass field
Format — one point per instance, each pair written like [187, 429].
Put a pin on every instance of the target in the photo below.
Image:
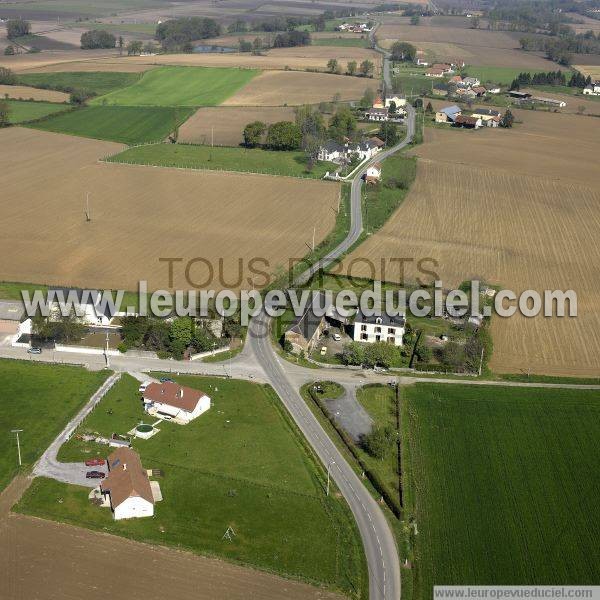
[22, 111]
[242, 464]
[96, 82]
[180, 86]
[503, 485]
[39, 399]
[345, 42]
[253, 160]
[126, 124]
[383, 199]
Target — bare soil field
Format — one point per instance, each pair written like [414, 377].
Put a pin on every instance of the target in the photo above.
[226, 125]
[175, 213]
[520, 209]
[276, 88]
[24, 92]
[474, 46]
[34, 569]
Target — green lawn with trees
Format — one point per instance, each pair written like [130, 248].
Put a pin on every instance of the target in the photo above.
[254, 160]
[126, 124]
[180, 86]
[39, 399]
[95, 83]
[244, 465]
[21, 111]
[501, 484]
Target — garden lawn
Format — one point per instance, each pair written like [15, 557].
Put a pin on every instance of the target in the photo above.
[503, 485]
[96, 82]
[244, 465]
[180, 86]
[39, 399]
[126, 124]
[22, 111]
[224, 158]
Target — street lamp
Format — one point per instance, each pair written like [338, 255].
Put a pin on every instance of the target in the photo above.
[17, 431]
[331, 462]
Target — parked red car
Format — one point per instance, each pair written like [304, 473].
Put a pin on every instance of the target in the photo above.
[94, 462]
[95, 475]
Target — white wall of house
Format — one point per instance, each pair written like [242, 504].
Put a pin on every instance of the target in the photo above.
[374, 332]
[132, 508]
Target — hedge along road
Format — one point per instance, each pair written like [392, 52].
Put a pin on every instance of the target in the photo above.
[378, 540]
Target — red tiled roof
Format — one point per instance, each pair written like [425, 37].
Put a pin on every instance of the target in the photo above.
[126, 478]
[173, 394]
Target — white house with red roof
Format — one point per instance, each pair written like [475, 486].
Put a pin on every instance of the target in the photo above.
[174, 402]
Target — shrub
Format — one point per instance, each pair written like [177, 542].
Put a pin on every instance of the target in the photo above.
[97, 38]
[7, 77]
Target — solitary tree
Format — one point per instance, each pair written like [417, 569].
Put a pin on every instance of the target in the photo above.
[121, 43]
[253, 133]
[366, 68]
[507, 119]
[4, 113]
[415, 19]
[332, 65]
[351, 67]
[134, 47]
[284, 135]
[16, 28]
[403, 51]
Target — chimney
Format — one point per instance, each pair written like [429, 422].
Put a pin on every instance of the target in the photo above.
[181, 392]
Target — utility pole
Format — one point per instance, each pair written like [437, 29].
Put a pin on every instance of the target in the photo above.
[88, 216]
[313, 240]
[331, 462]
[481, 361]
[106, 353]
[17, 431]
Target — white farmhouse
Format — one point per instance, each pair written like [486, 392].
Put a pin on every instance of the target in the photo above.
[373, 173]
[127, 489]
[86, 304]
[593, 89]
[171, 401]
[331, 151]
[381, 328]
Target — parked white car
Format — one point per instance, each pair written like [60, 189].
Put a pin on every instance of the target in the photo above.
[144, 386]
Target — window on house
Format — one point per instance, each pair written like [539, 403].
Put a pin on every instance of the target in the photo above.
[391, 330]
[363, 327]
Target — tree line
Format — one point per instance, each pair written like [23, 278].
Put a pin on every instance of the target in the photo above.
[550, 78]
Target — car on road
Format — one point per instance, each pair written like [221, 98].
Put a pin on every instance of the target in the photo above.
[34, 350]
[166, 380]
[94, 462]
[95, 475]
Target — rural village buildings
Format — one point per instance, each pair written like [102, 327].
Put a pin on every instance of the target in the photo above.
[127, 488]
[333, 151]
[381, 328]
[175, 402]
[593, 89]
[476, 118]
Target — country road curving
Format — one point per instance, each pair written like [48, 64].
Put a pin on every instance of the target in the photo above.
[377, 537]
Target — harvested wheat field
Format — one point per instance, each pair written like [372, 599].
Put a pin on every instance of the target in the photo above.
[277, 88]
[24, 92]
[25, 62]
[140, 214]
[520, 209]
[592, 70]
[298, 58]
[224, 126]
[34, 569]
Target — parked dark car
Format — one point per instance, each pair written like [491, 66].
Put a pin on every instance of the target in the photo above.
[95, 475]
[166, 380]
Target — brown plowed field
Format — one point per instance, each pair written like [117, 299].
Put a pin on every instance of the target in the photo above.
[23, 92]
[25, 62]
[519, 208]
[226, 124]
[140, 214]
[51, 561]
[277, 88]
[475, 46]
[592, 70]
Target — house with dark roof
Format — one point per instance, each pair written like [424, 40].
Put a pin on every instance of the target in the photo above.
[488, 116]
[174, 402]
[467, 122]
[331, 151]
[377, 114]
[379, 328]
[127, 489]
[305, 329]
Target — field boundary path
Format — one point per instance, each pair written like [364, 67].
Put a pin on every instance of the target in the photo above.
[74, 473]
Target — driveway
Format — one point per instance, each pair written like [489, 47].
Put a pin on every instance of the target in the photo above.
[349, 414]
